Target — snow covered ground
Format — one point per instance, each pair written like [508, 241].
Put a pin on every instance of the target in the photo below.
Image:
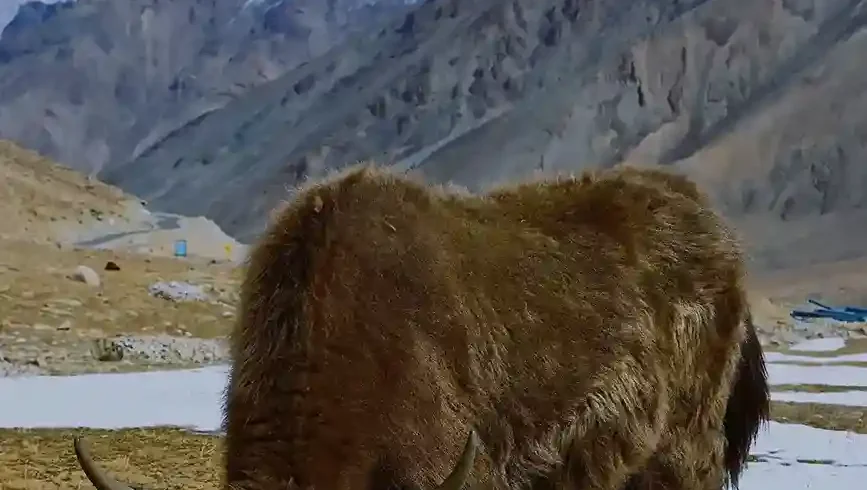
[777, 357]
[790, 457]
[820, 345]
[795, 457]
[187, 398]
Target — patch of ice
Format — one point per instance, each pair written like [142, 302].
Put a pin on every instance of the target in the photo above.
[842, 398]
[187, 398]
[796, 457]
[791, 457]
[791, 443]
[779, 357]
[827, 344]
[829, 375]
[765, 476]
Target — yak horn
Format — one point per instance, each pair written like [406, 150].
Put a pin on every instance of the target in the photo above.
[96, 475]
[101, 481]
[459, 475]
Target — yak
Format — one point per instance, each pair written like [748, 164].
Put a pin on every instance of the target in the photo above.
[583, 332]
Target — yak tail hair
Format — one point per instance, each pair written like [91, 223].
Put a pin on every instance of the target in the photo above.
[748, 405]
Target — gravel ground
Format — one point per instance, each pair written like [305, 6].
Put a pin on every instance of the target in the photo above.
[165, 349]
[12, 369]
[783, 335]
[116, 354]
[20, 356]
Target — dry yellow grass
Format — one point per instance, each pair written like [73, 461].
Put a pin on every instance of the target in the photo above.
[51, 320]
[175, 459]
[155, 459]
[35, 289]
[811, 388]
[41, 198]
[834, 417]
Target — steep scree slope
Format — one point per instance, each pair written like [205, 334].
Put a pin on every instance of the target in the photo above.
[763, 100]
[93, 82]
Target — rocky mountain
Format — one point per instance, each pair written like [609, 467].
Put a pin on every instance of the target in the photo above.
[91, 82]
[9, 8]
[763, 101]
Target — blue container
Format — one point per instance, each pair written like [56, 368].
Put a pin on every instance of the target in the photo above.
[181, 248]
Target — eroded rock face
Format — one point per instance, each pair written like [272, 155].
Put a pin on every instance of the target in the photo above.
[89, 82]
[760, 100]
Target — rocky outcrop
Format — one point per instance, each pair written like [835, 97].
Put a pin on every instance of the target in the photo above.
[91, 83]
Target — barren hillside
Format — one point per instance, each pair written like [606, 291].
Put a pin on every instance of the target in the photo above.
[44, 202]
[41, 200]
[93, 82]
[53, 318]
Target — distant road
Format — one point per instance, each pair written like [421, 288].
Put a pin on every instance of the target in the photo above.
[165, 222]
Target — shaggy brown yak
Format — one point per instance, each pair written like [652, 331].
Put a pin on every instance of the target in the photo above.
[592, 331]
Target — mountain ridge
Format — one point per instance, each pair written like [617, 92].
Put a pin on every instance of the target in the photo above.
[96, 81]
[757, 100]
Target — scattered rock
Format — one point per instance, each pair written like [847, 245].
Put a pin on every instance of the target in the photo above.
[72, 303]
[177, 291]
[9, 369]
[66, 325]
[55, 311]
[106, 350]
[86, 275]
[112, 266]
[788, 334]
[173, 350]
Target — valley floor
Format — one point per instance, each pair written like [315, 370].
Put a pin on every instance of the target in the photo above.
[818, 438]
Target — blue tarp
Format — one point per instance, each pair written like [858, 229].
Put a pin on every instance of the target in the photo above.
[842, 314]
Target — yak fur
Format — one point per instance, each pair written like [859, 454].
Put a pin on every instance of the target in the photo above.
[593, 330]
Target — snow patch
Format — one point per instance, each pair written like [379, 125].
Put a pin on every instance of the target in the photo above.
[790, 457]
[792, 443]
[828, 344]
[828, 375]
[779, 357]
[842, 398]
[765, 476]
[183, 398]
